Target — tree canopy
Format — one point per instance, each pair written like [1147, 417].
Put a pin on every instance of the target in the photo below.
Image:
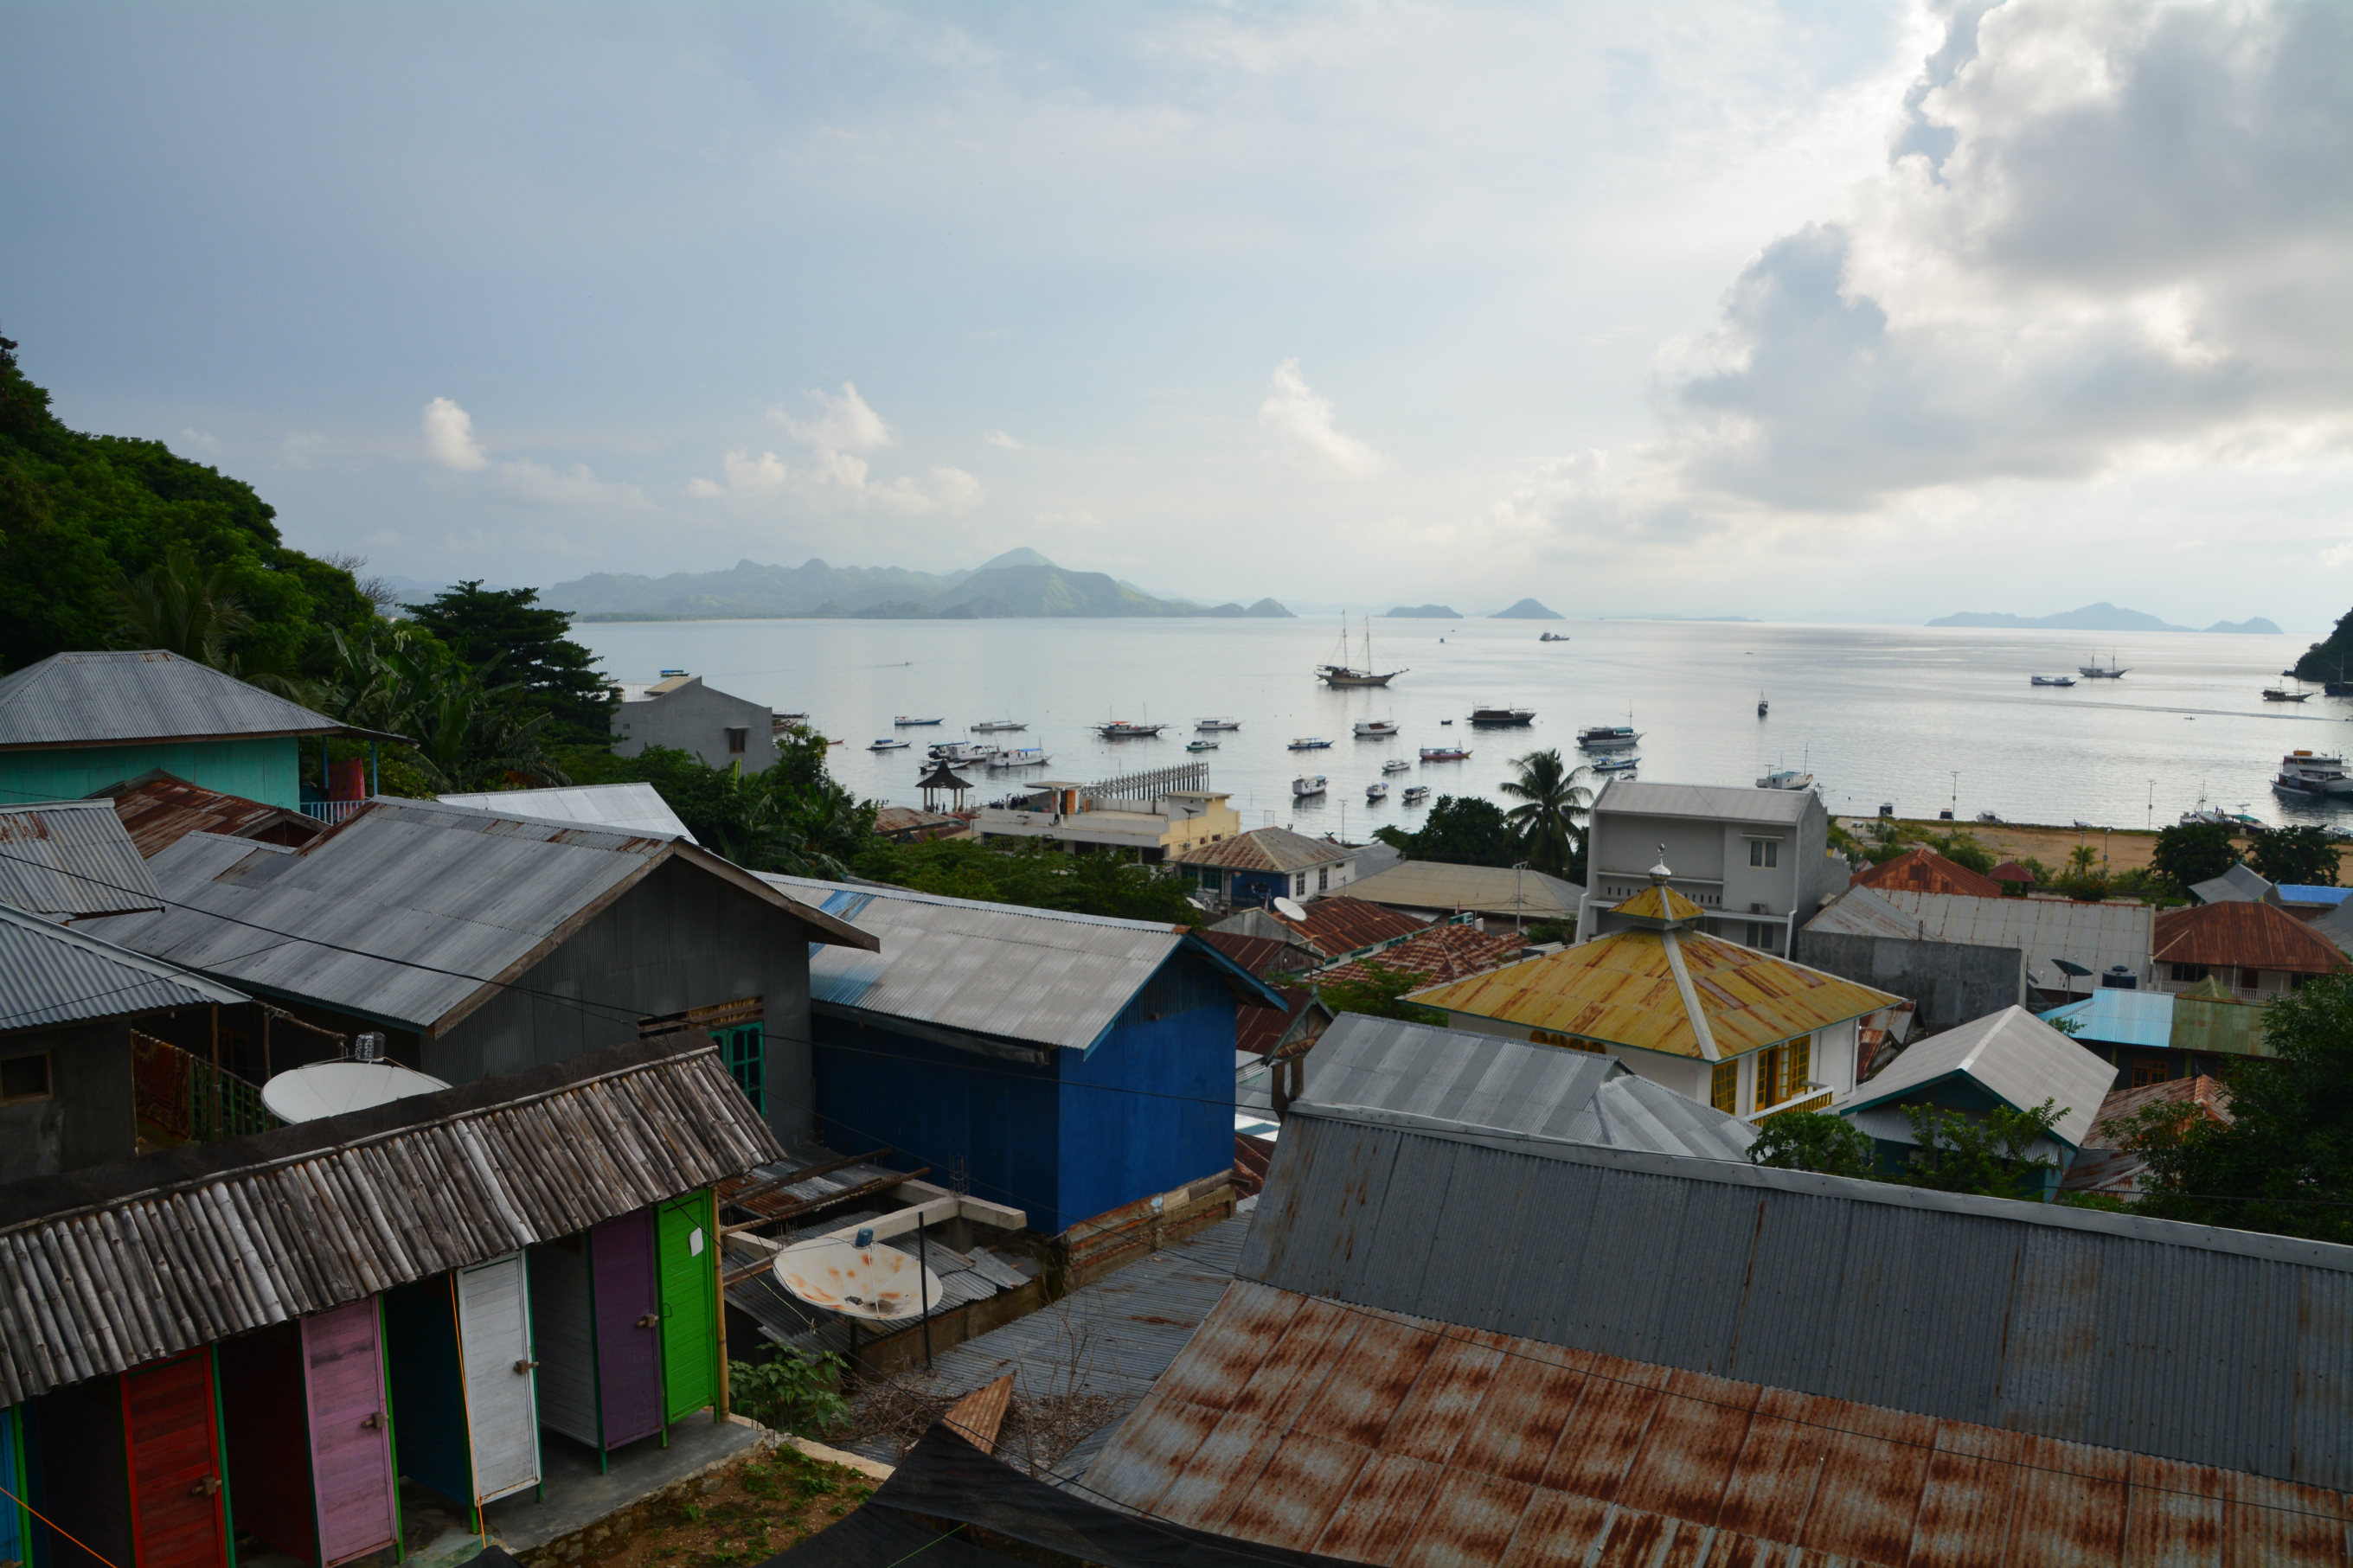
[2192, 852]
[1551, 815]
[2331, 658]
[511, 636]
[2300, 856]
[1036, 872]
[1460, 830]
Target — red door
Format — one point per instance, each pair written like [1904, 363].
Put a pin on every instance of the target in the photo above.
[350, 1448]
[176, 1482]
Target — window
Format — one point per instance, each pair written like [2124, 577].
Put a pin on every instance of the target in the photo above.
[1768, 1077]
[742, 1050]
[737, 741]
[1724, 1088]
[2188, 973]
[1759, 935]
[1298, 883]
[1323, 878]
[1765, 852]
[2251, 980]
[2146, 1070]
[1802, 1063]
[25, 1077]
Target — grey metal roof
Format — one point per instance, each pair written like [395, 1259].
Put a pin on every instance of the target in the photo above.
[1511, 1085]
[2013, 1054]
[2241, 884]
[1490, 889]
[121, 1264]
[1633, 798]
[115, 699]
[50, 974]
[411, 911]
[1267, 849]
[72, 859]
[1044, 977]
[2208, 1346]
[2098, 936]
[630, 807]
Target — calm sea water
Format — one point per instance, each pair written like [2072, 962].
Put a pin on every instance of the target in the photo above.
[1915, 717]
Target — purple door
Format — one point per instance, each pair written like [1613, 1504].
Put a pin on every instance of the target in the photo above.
[628, 1327]
[350, 1448]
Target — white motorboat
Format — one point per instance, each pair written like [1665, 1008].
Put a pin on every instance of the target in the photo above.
[1311, 743]
[1217, 724]
[1396, 766]
[903, 722]
[1019, 757]
[991, 726]
[1376, 729]
[961, 752]
[1200, 746]
[1121, 730]
[1308, 785]
[1617, 765]
[888, 744]
[2309, 772]
[1608, 737]
[1376, 793]
[1415, 793]
[2050, 680]
[1785, 778]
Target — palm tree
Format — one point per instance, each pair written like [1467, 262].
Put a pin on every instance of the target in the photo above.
[1551, 816]
[179, 607]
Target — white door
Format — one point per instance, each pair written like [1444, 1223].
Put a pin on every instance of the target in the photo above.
[502, 1395]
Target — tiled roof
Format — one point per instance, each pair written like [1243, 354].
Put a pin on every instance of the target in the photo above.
[1440, 954]
[1658, 902]
[1923, 870]
[1624, 990]
[2250, 935]
[158, 810]
[1340, 924]
[1266, 849]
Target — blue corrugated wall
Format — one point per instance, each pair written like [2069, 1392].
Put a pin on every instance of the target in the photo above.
[1149, 1108]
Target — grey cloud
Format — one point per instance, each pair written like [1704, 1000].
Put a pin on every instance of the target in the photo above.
[1920, 136]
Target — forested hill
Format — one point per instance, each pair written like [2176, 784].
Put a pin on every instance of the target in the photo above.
[79, 513]
[2331, 659]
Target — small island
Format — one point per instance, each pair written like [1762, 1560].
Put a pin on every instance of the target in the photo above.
[1528, 610]
[1426, 613]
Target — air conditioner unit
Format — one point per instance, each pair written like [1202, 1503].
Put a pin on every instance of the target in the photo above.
[1756, 908]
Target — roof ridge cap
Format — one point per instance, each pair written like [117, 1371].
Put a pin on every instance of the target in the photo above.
[1691, 1008]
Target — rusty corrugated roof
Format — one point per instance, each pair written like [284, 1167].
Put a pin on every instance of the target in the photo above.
[1311, 1425]
[1267, 849]
[1925, 872]
[1340, 924]
[1658, 902]
[2121, 1105]
[158, 810]
[2246, 934]
[1258, 955]
[1622, 990]
[1442, 952]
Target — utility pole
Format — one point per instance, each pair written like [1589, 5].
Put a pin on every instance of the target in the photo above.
[1519, 904]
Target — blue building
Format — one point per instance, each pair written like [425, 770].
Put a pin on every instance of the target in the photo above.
[1064, 1064]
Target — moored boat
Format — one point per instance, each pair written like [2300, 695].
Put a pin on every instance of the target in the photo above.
[1444, 754]
[1616, 764]
[1121, 730]
[961, 752]
[2313, 774]
[1018, 757]
[1551, 636]
[903, 722]
[1376, 792]
[1785, 778]
[1396, 766]
[1341, 673]
[1415, 793]
[1492, 715]
[888, 744]
[990, 726]
[1308, 785]
[2281, 694]
[2050, 680]
[1309, 743]
[1376, 729]
[2111, 670]
[1200, 746]
[1217, 724]
[1608, 737]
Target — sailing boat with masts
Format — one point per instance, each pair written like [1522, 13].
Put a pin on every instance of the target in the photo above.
[1342, 673]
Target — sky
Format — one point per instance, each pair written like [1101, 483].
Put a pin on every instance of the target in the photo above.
[1877, 310]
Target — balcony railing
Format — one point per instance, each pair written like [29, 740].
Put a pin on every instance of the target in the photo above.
[178, 1096]
[332, 811]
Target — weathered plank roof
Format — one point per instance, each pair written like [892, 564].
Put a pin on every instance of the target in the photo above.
[119, 699]
[2233, 1350]
[72, 859]
[112, 1267]
[410, 910]
[51, 974]
[2014, 1055]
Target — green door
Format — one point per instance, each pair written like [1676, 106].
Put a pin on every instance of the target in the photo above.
[685, 1236]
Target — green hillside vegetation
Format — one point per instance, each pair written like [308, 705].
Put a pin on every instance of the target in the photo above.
[2331, 658]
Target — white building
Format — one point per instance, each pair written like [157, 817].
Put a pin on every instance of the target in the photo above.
[680, 712]
[1756, 861]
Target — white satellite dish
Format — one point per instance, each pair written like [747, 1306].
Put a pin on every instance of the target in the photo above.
[330, 1089]
[875, 1282]
[1289, 910]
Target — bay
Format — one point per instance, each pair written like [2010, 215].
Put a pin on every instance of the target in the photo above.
[1919, 718]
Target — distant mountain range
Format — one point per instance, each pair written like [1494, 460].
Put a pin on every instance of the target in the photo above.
[1425, 612]
[2100, 617]
[1526, 610]
[1019, 583]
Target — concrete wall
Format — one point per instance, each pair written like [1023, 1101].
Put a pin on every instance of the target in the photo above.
[88, 1118]
[1952, 983]
[266, 770]
[1709, 858]
[696, 718]
[679, 939]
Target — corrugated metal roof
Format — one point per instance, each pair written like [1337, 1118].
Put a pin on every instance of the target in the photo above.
[2248, 935]
[1623, 990]
[1635, 798]
[2208, 1097]
[2218, 1024]
[1258, 955]
[409, 911]
[1043, 977]
[2098, 936]
[1438, 953]
[114, 698]
[1658, 902]
[158, 810]
[70, 860]
[2241, 884]
[1923, 870]
[1267, 849]
[626, 807]
[1540, 1092]
[1338, 924]
[121, 1264]
[2191, 1343]
[1489, 890]
[1310, 1424]
[2113, 1017]
[2014, 1055]
[2306, 893]
[50, 974]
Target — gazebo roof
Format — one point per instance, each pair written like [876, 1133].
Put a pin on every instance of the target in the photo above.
[2011, 872]
[944, 777]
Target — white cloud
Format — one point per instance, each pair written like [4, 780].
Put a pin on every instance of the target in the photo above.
[449, 437]
[575, 487]
[848, 425]
[746, 475]
[1301, 422]
[1000, 438]
[203, 440]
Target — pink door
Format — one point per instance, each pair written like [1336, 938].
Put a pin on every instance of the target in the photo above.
[350, 1448]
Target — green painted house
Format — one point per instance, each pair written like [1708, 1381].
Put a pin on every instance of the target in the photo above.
[76, 723]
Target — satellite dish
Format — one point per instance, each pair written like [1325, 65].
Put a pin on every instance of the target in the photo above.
[1289, 910]
[330, 1089]
[874, 1282]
